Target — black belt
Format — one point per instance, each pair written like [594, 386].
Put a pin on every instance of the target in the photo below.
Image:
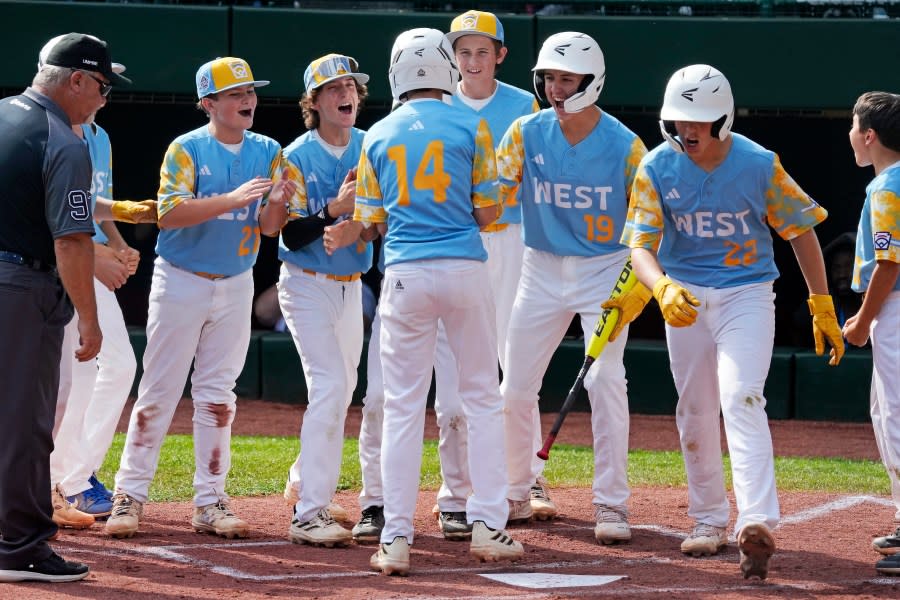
[34, 263]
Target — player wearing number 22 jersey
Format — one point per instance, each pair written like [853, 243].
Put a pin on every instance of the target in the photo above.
[572, 166]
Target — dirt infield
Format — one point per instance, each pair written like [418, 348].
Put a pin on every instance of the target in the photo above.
[823, 541]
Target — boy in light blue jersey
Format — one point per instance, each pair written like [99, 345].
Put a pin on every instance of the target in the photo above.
[572, 167]
[321, 294]
[699, 220]
[212, 183]
[477, 38]
[427, 180]
[875, 139]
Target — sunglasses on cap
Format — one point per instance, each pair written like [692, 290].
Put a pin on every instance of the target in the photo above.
[105, 87]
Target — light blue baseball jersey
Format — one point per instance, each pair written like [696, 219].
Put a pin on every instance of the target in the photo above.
[574, 198]
[423, 169]
[196, 166]
[508, 104]
[319, 176]
[100, 150]
[878, 235]
[712, 229]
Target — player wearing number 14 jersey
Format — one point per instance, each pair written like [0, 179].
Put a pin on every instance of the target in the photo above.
[212, 182]
[572, 165]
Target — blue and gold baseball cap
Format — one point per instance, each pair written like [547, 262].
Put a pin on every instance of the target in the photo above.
[476, 22]
[331, 67]
[223, 74]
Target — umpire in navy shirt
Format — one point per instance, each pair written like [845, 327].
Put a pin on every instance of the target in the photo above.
[46, 266]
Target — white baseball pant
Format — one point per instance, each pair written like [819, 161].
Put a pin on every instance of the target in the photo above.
[505, 251]
[372, 426]
[551, 291]
[722, 360]
[190, 317]
[325, 319]
[99, 390]
[415, 296]
[885, 392]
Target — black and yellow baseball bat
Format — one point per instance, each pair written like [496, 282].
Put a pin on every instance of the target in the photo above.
[606, 322]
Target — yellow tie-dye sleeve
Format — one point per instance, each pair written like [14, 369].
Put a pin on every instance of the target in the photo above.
[297, 205]
[176, 179]
[510, 160]
[484, 169]
[644, 224]
[635, 155]
[369, 206]
[886, 222]
[535, 106]
[789, 210]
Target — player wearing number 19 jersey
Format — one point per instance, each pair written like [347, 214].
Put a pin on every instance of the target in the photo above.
[572, 165]
[704, 202]
[212, 182]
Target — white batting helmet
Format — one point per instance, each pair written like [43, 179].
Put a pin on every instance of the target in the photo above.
[698, 93]
[422, 58]
[576, 53]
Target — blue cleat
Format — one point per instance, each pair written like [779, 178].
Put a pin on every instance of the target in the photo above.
[92, 502]
[98, 485]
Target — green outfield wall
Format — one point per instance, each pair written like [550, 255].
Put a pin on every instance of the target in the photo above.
[780, 63]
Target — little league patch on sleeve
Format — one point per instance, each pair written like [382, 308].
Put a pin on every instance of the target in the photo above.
[551, 580]
[882, 240]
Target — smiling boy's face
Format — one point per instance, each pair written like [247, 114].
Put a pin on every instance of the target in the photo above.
[337, 102]
[234, 108]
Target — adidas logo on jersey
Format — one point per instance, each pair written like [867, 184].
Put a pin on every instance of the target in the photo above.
[673, 195]
[539, 159]
[399, 286]
[417, 126]
[312, 178]
[204, 170]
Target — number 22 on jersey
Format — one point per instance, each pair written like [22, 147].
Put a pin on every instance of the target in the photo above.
[437, 180]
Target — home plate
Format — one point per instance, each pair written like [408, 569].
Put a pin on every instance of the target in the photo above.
[551, 580]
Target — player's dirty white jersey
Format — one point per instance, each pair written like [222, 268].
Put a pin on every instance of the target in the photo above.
[99, 148]
[198, 166]
[711, 229]
[423, 169]
[878, 235]
[319, 176]
[574, 198]
[508, 104]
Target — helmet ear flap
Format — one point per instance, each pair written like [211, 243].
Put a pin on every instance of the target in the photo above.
[716, 129]
[671, 135]
[539, 87]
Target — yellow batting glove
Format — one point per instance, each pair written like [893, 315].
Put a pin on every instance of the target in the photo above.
[825, 325]
[129, 211]
[630, 305]
[676, 303]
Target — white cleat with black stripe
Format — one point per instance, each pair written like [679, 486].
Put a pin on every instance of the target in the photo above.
[489, 545]
[321, 530]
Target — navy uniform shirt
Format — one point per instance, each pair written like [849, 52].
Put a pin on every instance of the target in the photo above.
[45, 177]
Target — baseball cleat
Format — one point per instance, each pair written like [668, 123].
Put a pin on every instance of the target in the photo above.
[371, 522]
[92, 502]
[321, 530]
[888, 544]
[490, 545]
[125, 518]
[519, 512]
[219, 519]
[889, 565]
[65, 514]
[292, 497]
[612, 525]
[757, 546]
[542, 507]
[705, 540]
[454, 525]
[393, 558]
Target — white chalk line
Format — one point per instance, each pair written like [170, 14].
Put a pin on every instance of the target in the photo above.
[175, 553]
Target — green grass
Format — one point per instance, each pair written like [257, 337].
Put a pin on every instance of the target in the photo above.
[260, 465]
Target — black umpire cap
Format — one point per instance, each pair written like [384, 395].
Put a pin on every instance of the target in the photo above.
[83, 51]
